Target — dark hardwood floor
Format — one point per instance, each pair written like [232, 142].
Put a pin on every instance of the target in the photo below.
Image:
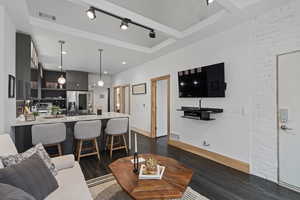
[211, 179]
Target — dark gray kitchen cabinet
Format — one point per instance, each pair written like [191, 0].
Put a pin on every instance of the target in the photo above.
[77, 80]
[23, 63]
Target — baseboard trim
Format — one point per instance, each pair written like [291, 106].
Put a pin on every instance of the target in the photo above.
[142, 132]
[224, 160]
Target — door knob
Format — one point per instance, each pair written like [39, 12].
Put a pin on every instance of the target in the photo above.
[285, 128]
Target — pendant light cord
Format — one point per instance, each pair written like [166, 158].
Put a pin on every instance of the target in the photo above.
[61, 57]
[100, 63]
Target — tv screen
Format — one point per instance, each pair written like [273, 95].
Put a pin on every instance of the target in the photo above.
[208, 81]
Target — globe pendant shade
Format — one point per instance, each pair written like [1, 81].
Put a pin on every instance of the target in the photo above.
[100, 83]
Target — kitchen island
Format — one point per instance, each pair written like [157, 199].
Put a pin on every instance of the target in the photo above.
[23, 136]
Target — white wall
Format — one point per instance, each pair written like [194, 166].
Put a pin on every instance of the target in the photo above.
[99, 92]
[7, 66]
[247, 129]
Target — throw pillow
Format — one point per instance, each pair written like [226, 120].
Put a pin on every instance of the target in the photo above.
[9, 192]
[39, 149]
[32, 176]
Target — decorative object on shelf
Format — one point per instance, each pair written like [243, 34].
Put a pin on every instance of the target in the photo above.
[101, 82]
[91, 13]
[11, 86]
[139, 89]
[61, 80]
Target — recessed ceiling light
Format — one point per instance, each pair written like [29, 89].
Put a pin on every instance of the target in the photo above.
[124, 63]
[105, 72]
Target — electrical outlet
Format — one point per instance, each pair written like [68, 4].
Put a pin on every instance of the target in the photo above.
[205, 143]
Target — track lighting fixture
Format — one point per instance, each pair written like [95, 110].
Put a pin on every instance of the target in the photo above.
[209, 1]
[152, 34]
[91, 13]
[124, 24]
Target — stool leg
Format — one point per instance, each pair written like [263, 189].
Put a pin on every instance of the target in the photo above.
[125, 143]
[97, 148]
[59, 149]
[79, 150]
[111, 145]
[107, 142]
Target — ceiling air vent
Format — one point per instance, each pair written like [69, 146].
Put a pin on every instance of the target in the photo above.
[47, 16]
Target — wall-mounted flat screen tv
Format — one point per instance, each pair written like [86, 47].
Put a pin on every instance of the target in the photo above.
[207, 81]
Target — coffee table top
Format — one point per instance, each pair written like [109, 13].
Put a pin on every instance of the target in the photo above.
[173, 184]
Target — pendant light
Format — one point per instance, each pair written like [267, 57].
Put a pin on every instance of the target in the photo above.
[61, 80]
[100, 82]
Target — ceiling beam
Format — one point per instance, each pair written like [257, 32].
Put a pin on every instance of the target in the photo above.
[110, 7]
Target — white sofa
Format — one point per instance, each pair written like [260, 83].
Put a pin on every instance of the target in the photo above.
[72, 185]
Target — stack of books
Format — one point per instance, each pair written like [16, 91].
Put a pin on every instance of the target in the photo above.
[158, 174]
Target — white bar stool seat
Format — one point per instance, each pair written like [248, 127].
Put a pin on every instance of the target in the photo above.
[87, 131]
[116, 128]
[49, 135]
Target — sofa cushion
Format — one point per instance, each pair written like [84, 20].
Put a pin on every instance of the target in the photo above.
[39, 149]
[72, 185]
[32, 176]
[9, 192]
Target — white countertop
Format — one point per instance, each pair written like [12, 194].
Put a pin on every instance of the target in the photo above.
[41, 120]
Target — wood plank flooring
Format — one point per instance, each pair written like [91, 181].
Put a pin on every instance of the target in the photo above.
[213, 180]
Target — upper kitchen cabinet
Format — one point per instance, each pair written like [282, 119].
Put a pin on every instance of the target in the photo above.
[26, 62]
[77, 80]
[23, 64]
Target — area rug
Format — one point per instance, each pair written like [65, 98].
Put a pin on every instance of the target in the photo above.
[106, 188]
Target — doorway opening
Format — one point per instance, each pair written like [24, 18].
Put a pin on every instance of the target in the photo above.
[122, 99]
[288, 119]
[160, 106]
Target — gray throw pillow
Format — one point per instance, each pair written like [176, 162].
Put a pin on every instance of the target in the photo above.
[30, 175]
[9, 192]
[39, 149]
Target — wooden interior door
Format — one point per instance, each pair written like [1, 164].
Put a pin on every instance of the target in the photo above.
[154, 104]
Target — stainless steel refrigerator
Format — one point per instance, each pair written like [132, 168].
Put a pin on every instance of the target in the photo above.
[79, 102]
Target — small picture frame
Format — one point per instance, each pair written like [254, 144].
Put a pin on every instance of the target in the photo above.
[139, 89]
[11, 86]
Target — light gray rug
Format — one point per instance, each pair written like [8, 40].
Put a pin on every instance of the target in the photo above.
[106, 188]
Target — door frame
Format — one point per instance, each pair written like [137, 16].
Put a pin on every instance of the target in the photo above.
[277, 112]
[154, 104]
[122, 91]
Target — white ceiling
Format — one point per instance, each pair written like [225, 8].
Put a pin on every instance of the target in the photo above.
[177, 23]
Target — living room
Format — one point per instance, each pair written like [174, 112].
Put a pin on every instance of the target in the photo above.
[233, 144]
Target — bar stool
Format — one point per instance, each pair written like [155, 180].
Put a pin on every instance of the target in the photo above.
[87, 131]
[49, 135]
[116, 128]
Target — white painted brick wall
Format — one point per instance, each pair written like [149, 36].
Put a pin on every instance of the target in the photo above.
[275, 32]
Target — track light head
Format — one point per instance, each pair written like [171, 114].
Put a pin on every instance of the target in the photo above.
[91, 13]
[209, 1]
[125, 24]
[152, 34]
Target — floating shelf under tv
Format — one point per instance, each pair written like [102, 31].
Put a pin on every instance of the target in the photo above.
[198, 113]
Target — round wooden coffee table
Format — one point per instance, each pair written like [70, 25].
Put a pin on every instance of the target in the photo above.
[173, 184]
